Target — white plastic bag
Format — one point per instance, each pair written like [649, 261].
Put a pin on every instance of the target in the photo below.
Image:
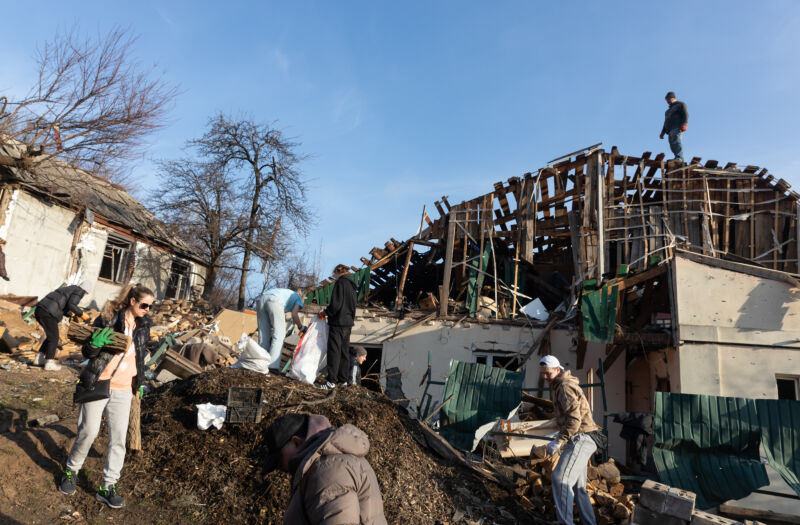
[208, 414]
[310, 352]
[252, 356]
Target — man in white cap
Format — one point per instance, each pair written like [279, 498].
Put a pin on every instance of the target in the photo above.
[49, 311]
[578, 438]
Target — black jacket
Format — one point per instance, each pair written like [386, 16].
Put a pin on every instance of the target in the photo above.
[675, 116]
[342, 309]
[100, 357]
[63, 301]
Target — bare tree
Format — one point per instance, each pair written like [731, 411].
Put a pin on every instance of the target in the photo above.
[197, 199]
[272, 181]
[92, 104]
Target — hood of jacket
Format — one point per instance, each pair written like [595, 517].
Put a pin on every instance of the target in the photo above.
[347, 439]
[565, 378]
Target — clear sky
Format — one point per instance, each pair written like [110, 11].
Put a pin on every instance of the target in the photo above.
[399, 103]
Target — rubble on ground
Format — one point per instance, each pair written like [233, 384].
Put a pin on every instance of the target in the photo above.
[220, 471]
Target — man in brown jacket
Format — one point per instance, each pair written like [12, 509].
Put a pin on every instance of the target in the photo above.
[332, 482]
[577, 434]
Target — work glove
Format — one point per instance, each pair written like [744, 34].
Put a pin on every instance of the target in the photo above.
[85, 316]
[28, 317]
[140, 392]
[553, 447]
[102, 337]
[303, 330]
[661, 136]
[683, 128]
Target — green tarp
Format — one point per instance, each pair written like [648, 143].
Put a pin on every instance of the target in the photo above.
[599, 310]
[481, 394]
[323, 295]
[475, 281]
[710, 444]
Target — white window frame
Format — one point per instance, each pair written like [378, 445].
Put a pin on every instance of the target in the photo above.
[119, 256]
[789, 377]
[184, 281]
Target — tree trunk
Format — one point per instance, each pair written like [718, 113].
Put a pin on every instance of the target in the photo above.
[245, 266]
[250, 231]
[210, 281]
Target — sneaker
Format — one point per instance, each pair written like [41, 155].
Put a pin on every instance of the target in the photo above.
[110, 497]
[39, 360]
[67, 485]
[51, 365]
[327, 385]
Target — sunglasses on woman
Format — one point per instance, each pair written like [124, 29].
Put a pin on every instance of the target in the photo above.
[145, 306]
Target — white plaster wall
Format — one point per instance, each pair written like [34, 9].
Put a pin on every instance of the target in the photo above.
[39, 239]
[735, 371]
[152, 268]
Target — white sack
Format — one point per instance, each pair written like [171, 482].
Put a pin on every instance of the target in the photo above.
[252, 356]
[310, 353]
[208, 414]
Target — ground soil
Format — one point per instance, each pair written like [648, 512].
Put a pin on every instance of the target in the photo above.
[187, 475]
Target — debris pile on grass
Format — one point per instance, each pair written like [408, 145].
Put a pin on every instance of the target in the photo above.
[216, 475]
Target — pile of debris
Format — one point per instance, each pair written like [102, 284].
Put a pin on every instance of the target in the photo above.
[180, 315]
[216, 475]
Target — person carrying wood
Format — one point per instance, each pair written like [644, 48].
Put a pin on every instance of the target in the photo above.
[106, 387]
[341, 314]
[578, 438]
[332, 482]
[271, 309]
[49, 311]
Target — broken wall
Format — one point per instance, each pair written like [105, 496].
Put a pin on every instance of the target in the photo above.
[735, 344]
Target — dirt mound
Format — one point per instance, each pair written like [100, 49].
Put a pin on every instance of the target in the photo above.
[216, 476]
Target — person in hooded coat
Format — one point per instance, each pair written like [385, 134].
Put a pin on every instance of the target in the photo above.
[332, 482]
[341, 314]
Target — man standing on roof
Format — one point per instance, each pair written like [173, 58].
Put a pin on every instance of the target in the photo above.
[271, 309]
[675, 120]
[578, 438]
[49, 311]
[332, 482]
[341, 314]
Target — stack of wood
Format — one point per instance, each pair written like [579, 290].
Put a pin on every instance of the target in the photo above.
[532, 482]
[80, 332]
[180, 315]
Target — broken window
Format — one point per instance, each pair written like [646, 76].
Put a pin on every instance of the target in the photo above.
[116, 259]
[500, 360]
[178, 286]
[788, 387]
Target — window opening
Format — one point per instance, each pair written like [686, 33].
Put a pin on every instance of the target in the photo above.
[788, 388]
[115, 259]
[178, 286]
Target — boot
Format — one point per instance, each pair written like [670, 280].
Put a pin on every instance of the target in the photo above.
[39, 361]
[51, 365]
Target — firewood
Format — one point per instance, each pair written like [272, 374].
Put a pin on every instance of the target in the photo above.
[79, 333]
[616, 489]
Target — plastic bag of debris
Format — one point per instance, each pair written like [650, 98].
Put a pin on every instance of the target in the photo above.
[310, 352]
[252, 356]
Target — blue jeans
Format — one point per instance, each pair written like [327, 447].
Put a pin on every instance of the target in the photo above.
[675, 143]
[569, 480]
[271, 327]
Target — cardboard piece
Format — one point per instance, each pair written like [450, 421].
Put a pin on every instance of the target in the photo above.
[233, 324]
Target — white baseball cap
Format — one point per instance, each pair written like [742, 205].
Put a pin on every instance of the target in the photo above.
[550, 361]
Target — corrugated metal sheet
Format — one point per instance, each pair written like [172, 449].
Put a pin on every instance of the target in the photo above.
[481, 394]
[323, 295]
[710, 445]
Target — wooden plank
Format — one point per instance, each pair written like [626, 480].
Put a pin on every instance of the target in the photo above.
[444, 297]
[501, 197]
[439, 208]
[738, 512]
[446, 203]
[399, 301]
[752, 220]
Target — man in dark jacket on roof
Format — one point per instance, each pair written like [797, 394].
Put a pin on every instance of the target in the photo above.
[341, 314]
[49, 311]
[676, 118]
[332, 482]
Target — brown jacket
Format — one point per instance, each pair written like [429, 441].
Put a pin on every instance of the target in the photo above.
[572, 410]
[333, 484]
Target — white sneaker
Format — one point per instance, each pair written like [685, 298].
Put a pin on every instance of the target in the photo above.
[51, 365]
[39, 360]
[327, 386]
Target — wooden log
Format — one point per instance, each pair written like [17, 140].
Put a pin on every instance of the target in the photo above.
[135, 424]
[78, 333]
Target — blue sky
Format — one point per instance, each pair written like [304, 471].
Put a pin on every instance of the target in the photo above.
[400, 103]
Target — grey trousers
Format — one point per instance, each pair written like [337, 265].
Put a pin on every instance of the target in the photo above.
[569, 480]
[271, 327]
[117, 411]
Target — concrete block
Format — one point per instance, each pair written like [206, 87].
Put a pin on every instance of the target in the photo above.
[667, 500]
[644, 516]
[704, 518]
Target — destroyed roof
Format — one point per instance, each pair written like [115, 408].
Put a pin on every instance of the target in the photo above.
[550, 222]
[76, 188]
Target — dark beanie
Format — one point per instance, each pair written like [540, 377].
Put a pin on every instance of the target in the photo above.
[671, 94]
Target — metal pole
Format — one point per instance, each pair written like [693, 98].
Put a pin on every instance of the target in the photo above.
[601, 256]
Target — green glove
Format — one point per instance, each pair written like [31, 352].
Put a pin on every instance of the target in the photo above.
[28, 317]
[101, 338]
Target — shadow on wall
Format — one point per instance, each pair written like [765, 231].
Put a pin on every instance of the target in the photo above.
[151, 267]
[766, 307]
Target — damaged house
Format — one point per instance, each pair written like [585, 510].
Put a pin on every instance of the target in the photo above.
[646, 275]
[63, 225]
